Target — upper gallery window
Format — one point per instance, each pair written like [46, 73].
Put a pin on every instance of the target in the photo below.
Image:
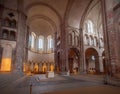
[90, 26]
[49, 38]
[101, 31]
[40, 42]
[33, 37]
[50, 44]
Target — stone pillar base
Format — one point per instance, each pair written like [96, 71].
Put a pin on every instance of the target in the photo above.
[65, 73]
[111, 81]
[21, 73]
[50, 74]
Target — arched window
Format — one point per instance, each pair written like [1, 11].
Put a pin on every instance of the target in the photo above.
[85, 27]
[50, 43]
[30, 40]
[41, 42]
[33, 37]
[5, 34]
[6, 22]
[101, 31]
[90, 26]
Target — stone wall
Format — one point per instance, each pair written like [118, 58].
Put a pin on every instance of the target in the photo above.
[113, 34]
[37, 57]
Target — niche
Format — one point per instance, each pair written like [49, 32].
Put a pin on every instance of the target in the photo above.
[13, 23]
[12, 35]
[6, 22]
[10, 21]
[5, 34]
[8, 35]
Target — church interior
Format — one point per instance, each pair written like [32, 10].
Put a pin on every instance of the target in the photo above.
[54, 46]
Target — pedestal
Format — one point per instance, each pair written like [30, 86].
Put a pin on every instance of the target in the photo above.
[50, 74]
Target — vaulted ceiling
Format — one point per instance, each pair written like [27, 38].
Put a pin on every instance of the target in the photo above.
[52, 13]
[49, 15]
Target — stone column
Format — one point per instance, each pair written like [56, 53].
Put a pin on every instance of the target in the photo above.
[55, 51]
[62, 49]
[20, 46]
[48, 66]
[117, 35]
[1, 51]
[97, 66]
[37, 64]
[34, 67]
[26, 45]
[20, 43]
[101, 64]
[106, 42]
[66, 50]
[82, 53]
[31, 66]
[13, 58]
[36, 43]
[28, 64]
[1, 12]
[110, 34]
[45, 49]
[40, 67]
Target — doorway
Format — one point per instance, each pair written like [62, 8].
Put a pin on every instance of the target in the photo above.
[73, 60]
[92, 61]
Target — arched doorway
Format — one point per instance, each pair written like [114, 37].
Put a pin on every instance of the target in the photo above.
[92, 61]
[73, 60]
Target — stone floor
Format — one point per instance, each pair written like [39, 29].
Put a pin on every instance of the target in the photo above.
[74, 84]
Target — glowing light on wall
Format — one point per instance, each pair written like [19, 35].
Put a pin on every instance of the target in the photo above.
[36, 68]
[44, 68]
[52, 68]
[6, 64]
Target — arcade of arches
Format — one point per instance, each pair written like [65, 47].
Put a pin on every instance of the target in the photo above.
[66, 37]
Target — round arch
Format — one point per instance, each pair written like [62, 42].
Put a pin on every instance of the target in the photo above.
[44, 18]
[43, 4]
[73, 60]
[92, 61]
[87, 10]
